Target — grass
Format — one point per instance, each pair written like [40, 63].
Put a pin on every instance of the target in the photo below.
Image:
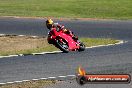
[26, 45]
[30, 84]
[98, 41]
[113, 9]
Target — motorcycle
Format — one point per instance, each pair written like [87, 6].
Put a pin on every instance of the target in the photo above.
[64, 41]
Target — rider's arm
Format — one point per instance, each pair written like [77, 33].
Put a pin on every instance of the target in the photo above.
[58, 26]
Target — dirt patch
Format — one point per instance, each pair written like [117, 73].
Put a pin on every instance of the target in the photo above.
[12, 43]
[30, 84]
[22, 44]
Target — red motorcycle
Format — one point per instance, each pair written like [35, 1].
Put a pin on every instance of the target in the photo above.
[64, 41]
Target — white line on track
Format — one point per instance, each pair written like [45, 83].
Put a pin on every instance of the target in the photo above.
[43, 78]
[13, 55]
[21, 35]
[48, 78]
[51, 77]
[71, 75]
[42, 53]
[25, 80]
[2, 83]
[35, 79]
[34, 36]
[9, 82]
[62, 76]
[18, 81]
[2, 34]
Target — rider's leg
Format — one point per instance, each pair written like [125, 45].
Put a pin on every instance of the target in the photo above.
[71, 34]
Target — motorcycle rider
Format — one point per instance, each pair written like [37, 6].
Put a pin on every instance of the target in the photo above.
[50, 25]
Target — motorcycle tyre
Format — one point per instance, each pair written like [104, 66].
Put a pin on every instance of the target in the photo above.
[82, 47]
[61, 48]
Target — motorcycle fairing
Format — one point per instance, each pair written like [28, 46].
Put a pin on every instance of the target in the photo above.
[71, 43]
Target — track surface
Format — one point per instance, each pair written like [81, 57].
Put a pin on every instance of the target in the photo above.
[112, 59]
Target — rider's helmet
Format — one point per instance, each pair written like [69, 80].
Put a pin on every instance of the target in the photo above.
[49, 24]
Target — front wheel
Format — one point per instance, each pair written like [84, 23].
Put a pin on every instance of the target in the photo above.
[62, 45]
[82, 47]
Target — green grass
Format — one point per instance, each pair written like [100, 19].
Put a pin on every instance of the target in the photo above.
[49, 48]
[113, 9]
[27, 45]
[97, 41]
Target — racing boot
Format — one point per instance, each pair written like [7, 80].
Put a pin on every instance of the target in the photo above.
[75, 38]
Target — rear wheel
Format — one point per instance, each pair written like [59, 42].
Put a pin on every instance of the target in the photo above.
[62, 45]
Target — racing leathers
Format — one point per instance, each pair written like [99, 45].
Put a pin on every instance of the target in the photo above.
[61, 27]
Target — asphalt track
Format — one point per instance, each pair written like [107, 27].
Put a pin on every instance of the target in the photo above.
[111, 59]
